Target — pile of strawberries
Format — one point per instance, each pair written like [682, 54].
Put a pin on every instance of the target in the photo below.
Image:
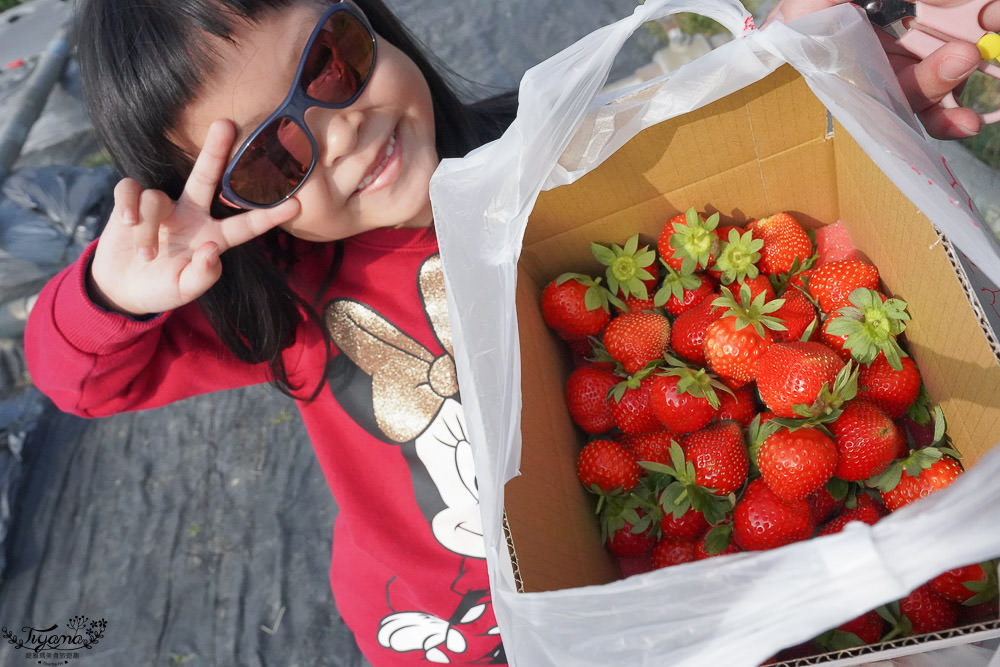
[746, 387]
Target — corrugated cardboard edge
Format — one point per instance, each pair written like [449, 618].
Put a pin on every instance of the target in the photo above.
[518, 582]
[899, 647]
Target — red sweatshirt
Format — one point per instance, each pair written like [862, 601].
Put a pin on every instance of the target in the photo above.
[408, 570]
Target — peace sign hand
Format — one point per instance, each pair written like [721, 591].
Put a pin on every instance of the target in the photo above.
[156, 254]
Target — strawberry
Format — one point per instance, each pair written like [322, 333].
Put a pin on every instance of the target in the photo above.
[799, 316]
[634, 304]
[867, 628]
[575, 307]
[716, 543]
[865, 509]
[734, 342]
[867, 327]
[796, 463]
[682, 291]
[867, 440]
[792, 377]
[786, 243]
[759, 284]
[673, 551]
[587, 389]
[927, 480]
[927, 611]
[654, 446]
[823, 504]
[608, 467]
[739, 405]
[762, 520]
[630, 270]
[626, 542]
[970, 585]
[892, 390]
[689, 242]
[832, 283]
[687, 335]
[719, 455]
[636, 339]
[689, 525]
[630, 406]
[684, 400]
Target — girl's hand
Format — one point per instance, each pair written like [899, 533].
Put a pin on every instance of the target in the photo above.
[925, 82]
[156, 254]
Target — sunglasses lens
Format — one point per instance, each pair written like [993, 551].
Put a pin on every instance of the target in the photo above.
[273, 164]
[340, 60]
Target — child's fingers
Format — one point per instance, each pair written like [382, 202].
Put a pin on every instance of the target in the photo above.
[203, 181]
[241, 228]
[126, 194]
[201, 272]
[154, 206]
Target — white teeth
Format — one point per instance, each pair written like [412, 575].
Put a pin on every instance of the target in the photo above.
[389, 149]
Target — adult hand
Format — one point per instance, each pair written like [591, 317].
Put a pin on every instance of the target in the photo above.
[928, 81]
[156, 254]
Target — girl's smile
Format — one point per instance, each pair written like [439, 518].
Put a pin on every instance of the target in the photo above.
[375, 157]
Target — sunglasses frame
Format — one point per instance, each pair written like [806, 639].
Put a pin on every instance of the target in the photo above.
[294, 107]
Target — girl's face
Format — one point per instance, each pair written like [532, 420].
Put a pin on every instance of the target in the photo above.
[375, 157]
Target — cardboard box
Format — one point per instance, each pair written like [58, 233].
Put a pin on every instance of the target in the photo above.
[767, 148]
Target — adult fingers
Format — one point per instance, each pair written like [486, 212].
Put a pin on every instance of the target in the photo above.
[928, 81]
[241, 228]
[951, 123]
[203, 181]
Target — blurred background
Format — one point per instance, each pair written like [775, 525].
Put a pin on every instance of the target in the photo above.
[200, 532]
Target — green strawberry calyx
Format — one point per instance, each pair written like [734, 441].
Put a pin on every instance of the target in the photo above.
[756, 311]
[597, 295]
[695, 381]
[627, 266]
[738, 257]
[680, 492]
[694, 240]
[913, 464]
[871, 325]
[674, 285]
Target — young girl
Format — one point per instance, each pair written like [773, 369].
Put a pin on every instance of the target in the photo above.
[276, 226]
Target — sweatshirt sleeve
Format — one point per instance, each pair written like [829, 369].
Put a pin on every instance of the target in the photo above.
[95, 363]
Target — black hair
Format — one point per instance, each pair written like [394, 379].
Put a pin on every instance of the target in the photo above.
[140, 63]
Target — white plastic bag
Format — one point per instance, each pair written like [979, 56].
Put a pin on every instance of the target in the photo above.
[740, 609]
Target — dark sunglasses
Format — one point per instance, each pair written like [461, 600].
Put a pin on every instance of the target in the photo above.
[277, 157]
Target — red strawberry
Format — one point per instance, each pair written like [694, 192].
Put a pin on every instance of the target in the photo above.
[634, 304]
[683, 291]
[832, 283]
[796, 463]
[738, 257]
[866, 509]
[734, 342]
[785, 243]
[798, 314]
[719, 455]
[673, 551]
[689, 525]
[630, 407]
[683, 399]
[759, 284]
[739, 404]
[635, 339]
[689, 242]
[890, 389]
[608, 466]
[653, 446]
[867, 327]
[795, 374]
[625, 542]
[937, 476]
[867, 440]
[575, 307]
[927, 611]
[961, 584]
[709, 547]
[762, 520]
[823, 505]
[867, 627]
[587, 389]
[687, 335]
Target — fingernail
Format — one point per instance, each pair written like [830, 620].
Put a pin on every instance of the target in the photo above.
[967, 130]
[954, 68]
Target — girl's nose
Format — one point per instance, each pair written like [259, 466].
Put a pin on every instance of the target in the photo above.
[335, 131]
